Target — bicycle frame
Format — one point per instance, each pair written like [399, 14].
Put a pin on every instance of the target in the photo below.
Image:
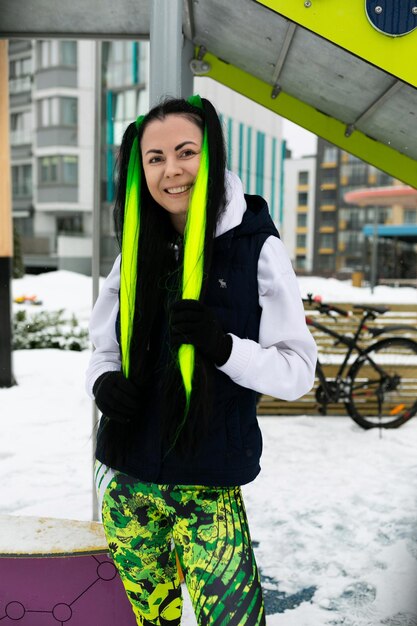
[350, 342]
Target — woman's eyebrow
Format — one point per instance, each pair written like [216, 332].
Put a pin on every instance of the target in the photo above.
[180, 145]
[154, 150]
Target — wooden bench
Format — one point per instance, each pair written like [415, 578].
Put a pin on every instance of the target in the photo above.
[398, 314]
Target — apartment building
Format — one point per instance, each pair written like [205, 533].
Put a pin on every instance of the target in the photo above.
[297, 230]
[52, 122]
[339, 240]
[52, 115]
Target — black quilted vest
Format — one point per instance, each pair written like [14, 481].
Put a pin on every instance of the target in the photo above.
[230, 452]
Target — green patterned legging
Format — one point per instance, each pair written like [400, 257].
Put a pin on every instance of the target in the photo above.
[209, 529]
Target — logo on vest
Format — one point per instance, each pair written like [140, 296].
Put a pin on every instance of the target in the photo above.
[222, 283]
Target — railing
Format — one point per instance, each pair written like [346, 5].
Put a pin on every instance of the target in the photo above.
[20, 84]
[21, 137]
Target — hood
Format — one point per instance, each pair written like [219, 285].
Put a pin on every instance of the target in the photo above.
[244, 213]
[235, 205]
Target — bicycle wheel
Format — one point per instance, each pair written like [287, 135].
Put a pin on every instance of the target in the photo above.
[383, 384]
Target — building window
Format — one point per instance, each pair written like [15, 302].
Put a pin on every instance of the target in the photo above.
[301, 241]
[378, 178]
[410, 216]
[69, 112]
[20, 128]
[302, 219]
[229, 141]
[62, 170]
[68, 50]
[326, 262]
[20, 75]
[302, 198]
[328, 177]
[273, 176]
[300, 262]
[69, 170]
[354, 174]
[303, 178]
[57, 112]
[327, 218]
[70, 224]
[20, 67]
[352, 242]
[248, 158]
[260, 159]
[327, 240]
[126, 62]
[47, 53]
[54, 53]
[240, 166]
[330, 154]
[125, 109]
[22, 181]
[328, 196]
[49, 170]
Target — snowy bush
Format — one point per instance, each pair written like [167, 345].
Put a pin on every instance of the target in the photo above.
[48, 329]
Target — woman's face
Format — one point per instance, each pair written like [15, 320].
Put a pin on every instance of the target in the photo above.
[171, 157]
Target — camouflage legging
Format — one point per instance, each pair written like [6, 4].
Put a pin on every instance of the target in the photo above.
[209, 529]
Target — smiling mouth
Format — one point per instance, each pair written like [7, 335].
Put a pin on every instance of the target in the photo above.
[177, 190]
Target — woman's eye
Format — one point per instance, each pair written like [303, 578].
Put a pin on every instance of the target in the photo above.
[155, 159]
[187, 153]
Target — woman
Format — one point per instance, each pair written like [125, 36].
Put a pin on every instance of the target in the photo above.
[200, 312]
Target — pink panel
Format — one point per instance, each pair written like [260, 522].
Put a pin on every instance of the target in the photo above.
[51, 591]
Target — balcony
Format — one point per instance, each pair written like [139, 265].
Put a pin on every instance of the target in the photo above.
[20, 137]
[20, 84]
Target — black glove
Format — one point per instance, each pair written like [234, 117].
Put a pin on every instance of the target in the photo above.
[116, 397]
[194, 323]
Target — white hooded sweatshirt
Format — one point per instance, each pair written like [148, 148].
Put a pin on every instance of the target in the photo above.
[282, 364]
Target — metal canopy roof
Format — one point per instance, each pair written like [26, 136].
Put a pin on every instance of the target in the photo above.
[321, 65]
[78, 19]
[315, 82]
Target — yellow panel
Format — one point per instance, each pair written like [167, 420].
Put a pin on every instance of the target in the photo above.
[328, 165]
[346, 25]
[328, 186]
[328, 207]
[327, 229]
[382, 156]
[326, 251]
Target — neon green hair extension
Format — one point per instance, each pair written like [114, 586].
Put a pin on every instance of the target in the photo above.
[130, 241]
[193, 267]
[192, 278]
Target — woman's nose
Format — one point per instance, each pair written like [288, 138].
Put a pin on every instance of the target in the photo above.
[172, 167]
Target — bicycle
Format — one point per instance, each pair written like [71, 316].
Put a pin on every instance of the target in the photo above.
[376, 387]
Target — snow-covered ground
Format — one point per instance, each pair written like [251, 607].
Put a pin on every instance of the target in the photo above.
[333, 514]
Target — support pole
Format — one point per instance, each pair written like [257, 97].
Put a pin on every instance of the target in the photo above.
[96, 257]
[6, 239]
[170, 74]
[374, 257]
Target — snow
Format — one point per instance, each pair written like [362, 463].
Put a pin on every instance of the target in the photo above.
[45, 536]
[333, 514]
[333, 290]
